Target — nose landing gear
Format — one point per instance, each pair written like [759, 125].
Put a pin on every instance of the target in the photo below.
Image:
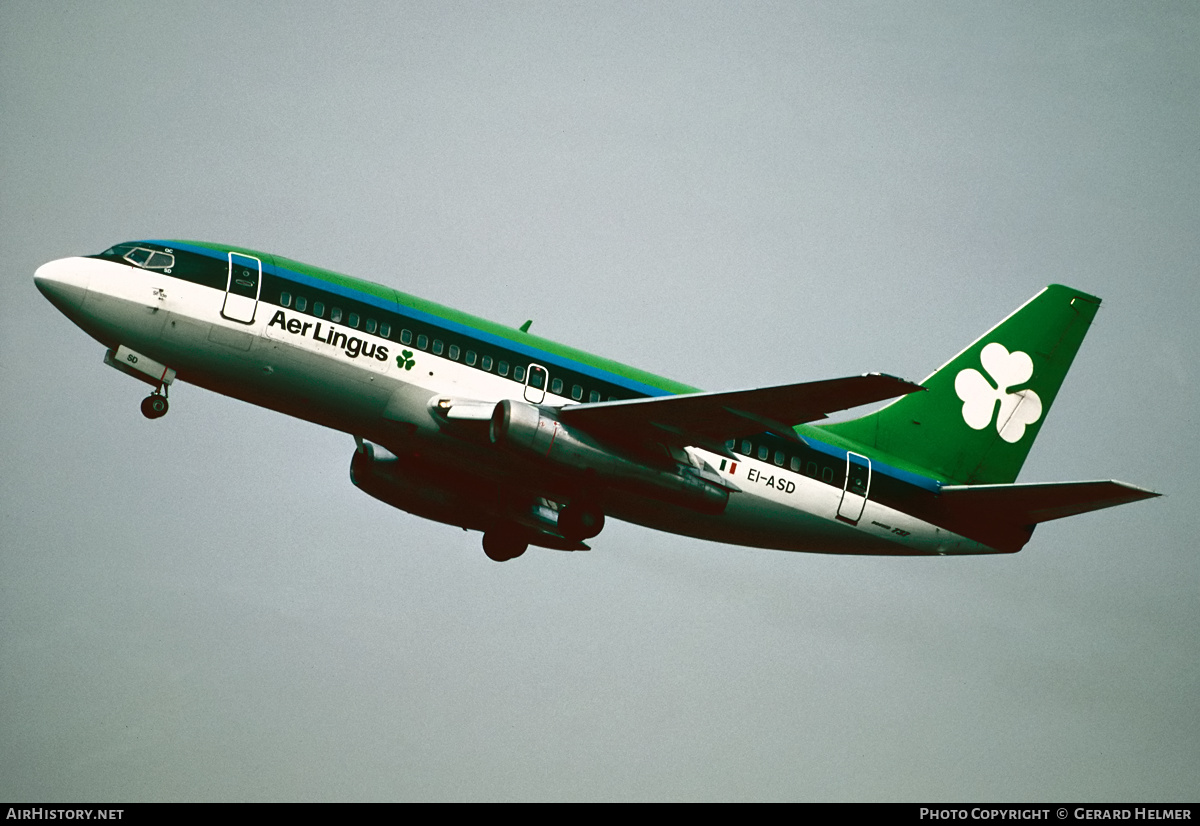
[144, 368]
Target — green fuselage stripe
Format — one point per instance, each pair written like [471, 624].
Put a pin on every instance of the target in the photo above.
[819, 459]
[490, 332]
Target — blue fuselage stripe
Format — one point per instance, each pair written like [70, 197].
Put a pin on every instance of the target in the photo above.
[540, 356]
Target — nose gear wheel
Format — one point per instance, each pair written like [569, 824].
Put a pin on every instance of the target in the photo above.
[155, 406]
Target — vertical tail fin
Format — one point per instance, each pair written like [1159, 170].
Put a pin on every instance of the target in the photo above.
[985, 406]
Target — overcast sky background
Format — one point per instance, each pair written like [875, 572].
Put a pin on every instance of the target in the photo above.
[730, 194]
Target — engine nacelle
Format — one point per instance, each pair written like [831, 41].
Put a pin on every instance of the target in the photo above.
[423, 489]
[443, 494]
[532, 430]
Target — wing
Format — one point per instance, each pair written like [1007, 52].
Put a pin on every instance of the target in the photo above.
[713, 418]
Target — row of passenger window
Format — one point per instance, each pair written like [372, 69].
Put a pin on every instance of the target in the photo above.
[480, 361]
[351, 319]
[781, 458]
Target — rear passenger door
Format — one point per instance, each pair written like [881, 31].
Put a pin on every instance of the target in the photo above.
[856, 488]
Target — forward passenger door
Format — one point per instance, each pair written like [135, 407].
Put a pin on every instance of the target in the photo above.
[242, 288]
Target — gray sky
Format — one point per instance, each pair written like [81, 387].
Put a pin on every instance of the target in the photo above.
[730, 194]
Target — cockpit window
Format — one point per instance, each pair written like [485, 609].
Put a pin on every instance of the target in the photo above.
[138, 256]
[144, 258]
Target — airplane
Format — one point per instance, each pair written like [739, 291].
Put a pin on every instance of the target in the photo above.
[491, 428]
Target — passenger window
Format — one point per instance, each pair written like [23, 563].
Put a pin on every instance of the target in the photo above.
[318, 309]
[454, 351]
[731, 444]
[486, 363]
[371, 325]
[353, 320]
[502, 368]
[385, 330]
[827, 474]
[576, 392]
[285, 299]
[406, 336]
[422, 342]
[470, 358]
[747, 447]
[438, 347]
[763, 452]
[594, 396]
[335, 315]
[301, 303]
[556, 387]
[779, 458]
[811, 469]
[518, 373]
[795, 464]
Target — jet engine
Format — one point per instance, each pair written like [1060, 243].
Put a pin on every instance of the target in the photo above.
[510, 517]
[424, 489]
[532, 430]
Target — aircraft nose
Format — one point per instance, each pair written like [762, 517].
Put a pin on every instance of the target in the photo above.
[64, 283]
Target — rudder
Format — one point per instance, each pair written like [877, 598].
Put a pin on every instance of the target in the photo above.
[985, 406]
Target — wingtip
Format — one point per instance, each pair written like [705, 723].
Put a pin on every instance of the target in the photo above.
[1139, 491]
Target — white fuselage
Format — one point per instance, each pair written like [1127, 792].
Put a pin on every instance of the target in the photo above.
[352, 381]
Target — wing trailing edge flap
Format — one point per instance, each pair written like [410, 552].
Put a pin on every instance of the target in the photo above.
[710, 419]
[1030, 504]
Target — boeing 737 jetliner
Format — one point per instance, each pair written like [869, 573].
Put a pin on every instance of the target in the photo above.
[493, 429]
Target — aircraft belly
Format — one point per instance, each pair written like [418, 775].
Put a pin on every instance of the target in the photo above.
[321, 383]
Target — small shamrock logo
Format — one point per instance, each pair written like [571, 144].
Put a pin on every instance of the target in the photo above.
[405, 360]
[1017, 410]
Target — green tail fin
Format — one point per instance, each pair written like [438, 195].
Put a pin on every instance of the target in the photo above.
[985, 406]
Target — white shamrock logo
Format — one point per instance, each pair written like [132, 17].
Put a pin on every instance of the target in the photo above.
[979, 396]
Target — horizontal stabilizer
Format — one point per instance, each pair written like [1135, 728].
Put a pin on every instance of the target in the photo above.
[1034, 503]
[716, 417]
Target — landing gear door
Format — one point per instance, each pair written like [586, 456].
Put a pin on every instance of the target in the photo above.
[856, 489]
[242, 288]
[535, 384]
